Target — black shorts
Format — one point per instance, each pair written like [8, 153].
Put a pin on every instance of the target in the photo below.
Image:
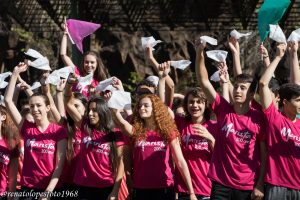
[221, 192]
[167, 193]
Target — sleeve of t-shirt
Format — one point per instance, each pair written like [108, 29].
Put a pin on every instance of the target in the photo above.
[219, 105]
[26, 124]
[61, 133]
[173, 136]
[271, 113]
[120, 138]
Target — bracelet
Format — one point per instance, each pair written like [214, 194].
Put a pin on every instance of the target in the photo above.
[265, 56]
[69, 83]
[67, 95]
[58, 90]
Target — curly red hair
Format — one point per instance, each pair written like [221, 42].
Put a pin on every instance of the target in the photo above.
[165, 124]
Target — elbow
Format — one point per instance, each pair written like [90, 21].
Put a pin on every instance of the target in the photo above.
[263, 83]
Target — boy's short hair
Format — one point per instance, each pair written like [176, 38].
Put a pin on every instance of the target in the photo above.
[147, 83]
[288, 91]
[274, 85]
[246, 78]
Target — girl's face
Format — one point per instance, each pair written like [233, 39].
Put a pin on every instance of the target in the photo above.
[89, 63]
[196, 106]
[93, 114]
[38, 107]
[79, 106]
[2, 118]
[145, 108]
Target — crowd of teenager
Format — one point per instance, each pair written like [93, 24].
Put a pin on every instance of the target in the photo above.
[237, 144]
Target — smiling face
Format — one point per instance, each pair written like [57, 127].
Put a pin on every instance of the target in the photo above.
[145, 108]
[38, 108]
[89, 63]
[93, 114]
[195, 106]
[241, 92]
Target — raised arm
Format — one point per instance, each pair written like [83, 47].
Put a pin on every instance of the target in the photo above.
[164, 69]
[235, 49]
[169, 89]
[69, 100]
[224, 80]
[63, 49]
[201, 73]
[265, 93]
[294, 62]
[265, 55]
[124, 125]
[46, 91]
[59, 97]
[8, 97]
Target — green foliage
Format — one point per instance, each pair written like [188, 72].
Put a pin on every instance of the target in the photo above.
[25, 36]
[133, 80]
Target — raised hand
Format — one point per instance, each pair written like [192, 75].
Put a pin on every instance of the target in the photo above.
[72, 79]
[280, 50]
[199, 45]
[21, 67]
[117, 83]
[61, 86]
[263, 51]
[292, 46]
[164, 69]
[234, 45]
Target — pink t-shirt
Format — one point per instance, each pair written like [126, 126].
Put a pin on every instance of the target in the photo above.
[69, 169]
[5, 155]
[151, 166]
[236, 158]
[283, 160]
[197, 153]
[40, 153]
[94, 168]
[78, 86]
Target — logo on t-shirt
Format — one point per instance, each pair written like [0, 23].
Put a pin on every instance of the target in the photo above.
[287, 134]
[98, 147]
[4, 158]
[241, 136]
[200, 144]
[44, 147]
[157, 145]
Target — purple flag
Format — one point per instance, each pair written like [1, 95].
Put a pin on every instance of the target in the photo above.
[80, 29]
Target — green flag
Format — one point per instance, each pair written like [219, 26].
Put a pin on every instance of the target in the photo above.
[270, 12]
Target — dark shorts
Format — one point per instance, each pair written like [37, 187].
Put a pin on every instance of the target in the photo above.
[280, 193]
[221, 192]
[185, 196]
[92, 193]
[151, 194]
